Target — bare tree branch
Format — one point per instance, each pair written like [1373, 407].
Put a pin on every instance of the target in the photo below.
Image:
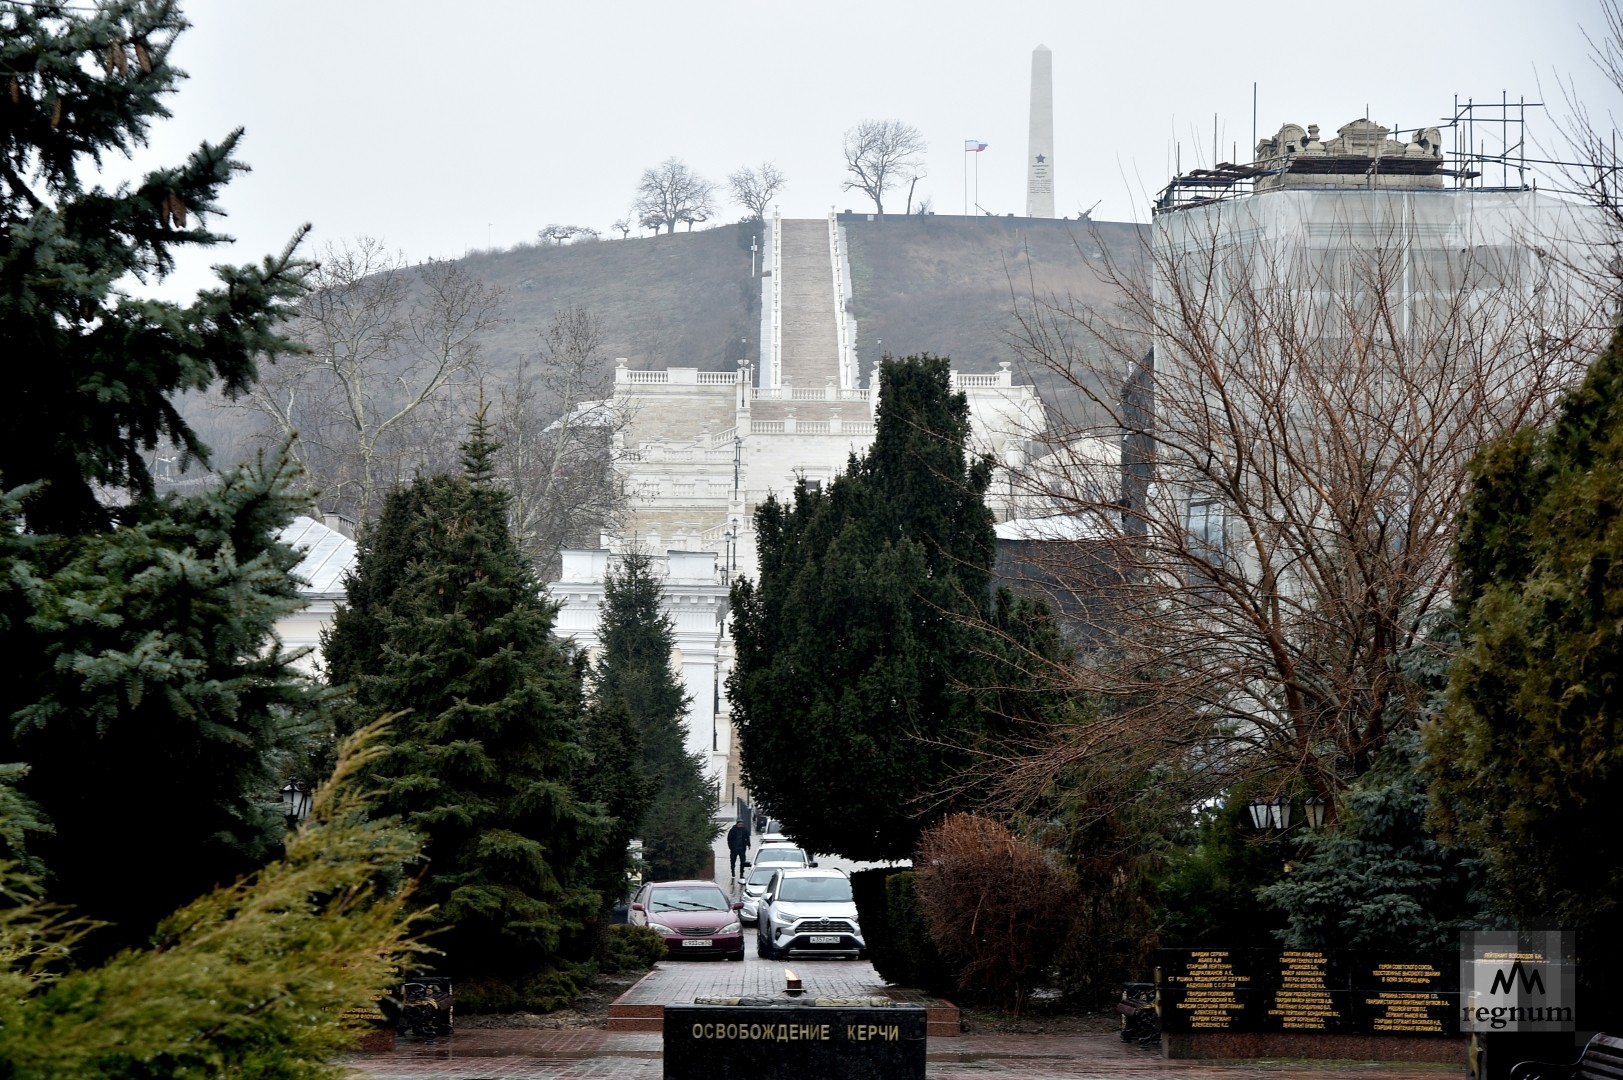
[881, 154]
[386, 344]
[1265, 447]
[558, 425]
[670, 193]
[754, 189]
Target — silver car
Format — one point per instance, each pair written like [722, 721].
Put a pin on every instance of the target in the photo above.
[808, 913]
[754, 887]
[780, 856]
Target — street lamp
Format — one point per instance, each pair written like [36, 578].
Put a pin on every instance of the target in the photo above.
[1271, 813]
[1316, 809]
[295, 801]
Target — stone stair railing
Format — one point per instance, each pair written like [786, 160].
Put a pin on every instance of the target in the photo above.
[775, 370]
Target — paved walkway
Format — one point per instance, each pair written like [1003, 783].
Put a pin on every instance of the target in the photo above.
[678, 981]
[529, 1053]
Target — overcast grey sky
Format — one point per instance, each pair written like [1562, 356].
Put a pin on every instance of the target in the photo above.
[447, 127]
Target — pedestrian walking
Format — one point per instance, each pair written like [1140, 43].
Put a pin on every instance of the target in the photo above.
[738, 846]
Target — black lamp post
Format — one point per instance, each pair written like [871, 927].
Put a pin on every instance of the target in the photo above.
[295, 801]
[1271, 813]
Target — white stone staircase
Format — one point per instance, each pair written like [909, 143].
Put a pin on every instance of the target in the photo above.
[810, 341]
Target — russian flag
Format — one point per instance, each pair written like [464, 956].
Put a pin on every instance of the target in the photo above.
[973, 147]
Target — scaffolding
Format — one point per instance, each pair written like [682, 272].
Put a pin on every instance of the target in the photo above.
[1487, 140]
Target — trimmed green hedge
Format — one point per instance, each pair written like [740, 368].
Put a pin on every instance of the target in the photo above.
[899, 944]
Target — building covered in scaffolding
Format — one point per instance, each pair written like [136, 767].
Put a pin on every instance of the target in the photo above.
[1324, 339]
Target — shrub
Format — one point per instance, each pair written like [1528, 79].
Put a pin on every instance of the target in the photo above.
[998, 907]
[631, 948]
[542, 991]
[899, 944]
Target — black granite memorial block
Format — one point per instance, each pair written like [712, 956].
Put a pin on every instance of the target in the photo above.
[794, 1042]
[1305, 991]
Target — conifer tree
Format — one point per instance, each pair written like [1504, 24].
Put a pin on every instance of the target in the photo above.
[863, 649]
[154, 720]
[1528, 753]
[618, 780]
[93, 369]
[254, 978]
[679, 824]
[446, 621]
[148, 674]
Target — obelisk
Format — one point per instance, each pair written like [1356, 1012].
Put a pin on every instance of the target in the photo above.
[1040, 153]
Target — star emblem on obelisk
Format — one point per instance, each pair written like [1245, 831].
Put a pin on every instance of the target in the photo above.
[1041, 159]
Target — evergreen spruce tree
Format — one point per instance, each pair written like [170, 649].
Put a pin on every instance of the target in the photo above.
[1380, 879]
[154, 722]
[446, 621]
[862, 648]
[618, 780]
[93, 370]
[679, 825]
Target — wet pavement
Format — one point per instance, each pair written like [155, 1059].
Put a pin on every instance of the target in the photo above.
[528, 1053]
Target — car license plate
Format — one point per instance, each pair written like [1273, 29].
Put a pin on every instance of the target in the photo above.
[696, 942]
[825, 939]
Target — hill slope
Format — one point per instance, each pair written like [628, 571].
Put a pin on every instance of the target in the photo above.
[948, 285]
[944, 285]
[681, 300]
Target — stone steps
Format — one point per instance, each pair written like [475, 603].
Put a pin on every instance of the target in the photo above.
[810, 342]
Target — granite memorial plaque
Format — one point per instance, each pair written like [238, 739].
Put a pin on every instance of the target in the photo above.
[794, 1040]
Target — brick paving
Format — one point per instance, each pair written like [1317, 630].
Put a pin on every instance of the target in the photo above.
[675, 981]
[534, 1053]
[529, 1054]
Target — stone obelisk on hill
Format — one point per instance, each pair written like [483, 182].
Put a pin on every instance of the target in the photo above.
[1040, 151]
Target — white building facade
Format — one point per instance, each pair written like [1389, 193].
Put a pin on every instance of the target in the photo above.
[699, 451]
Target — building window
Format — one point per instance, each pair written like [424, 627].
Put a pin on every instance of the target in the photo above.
[1206, 529]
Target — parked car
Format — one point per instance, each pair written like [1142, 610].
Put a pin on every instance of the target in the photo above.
[808, 912]
[754, 885]
[780, 855]
[694, 917]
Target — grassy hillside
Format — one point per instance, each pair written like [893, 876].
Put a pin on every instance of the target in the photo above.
[949, 285]
[946, 285]
[921, 284]
[681, 300]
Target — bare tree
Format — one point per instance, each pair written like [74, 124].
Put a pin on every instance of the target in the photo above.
[880, 154]
[754, 189]
[670, 193]
[557, 422]
[386, 346]
[1267, 455]
[1596, 173]
[562, 234]
[623, 227]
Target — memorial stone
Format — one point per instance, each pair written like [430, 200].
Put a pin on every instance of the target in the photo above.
[762, 1039]
[1040, 145]
[1304, 991]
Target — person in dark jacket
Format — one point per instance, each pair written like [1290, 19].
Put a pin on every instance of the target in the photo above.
[738, 846]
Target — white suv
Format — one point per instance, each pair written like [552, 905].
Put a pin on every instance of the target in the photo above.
[808, 913]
